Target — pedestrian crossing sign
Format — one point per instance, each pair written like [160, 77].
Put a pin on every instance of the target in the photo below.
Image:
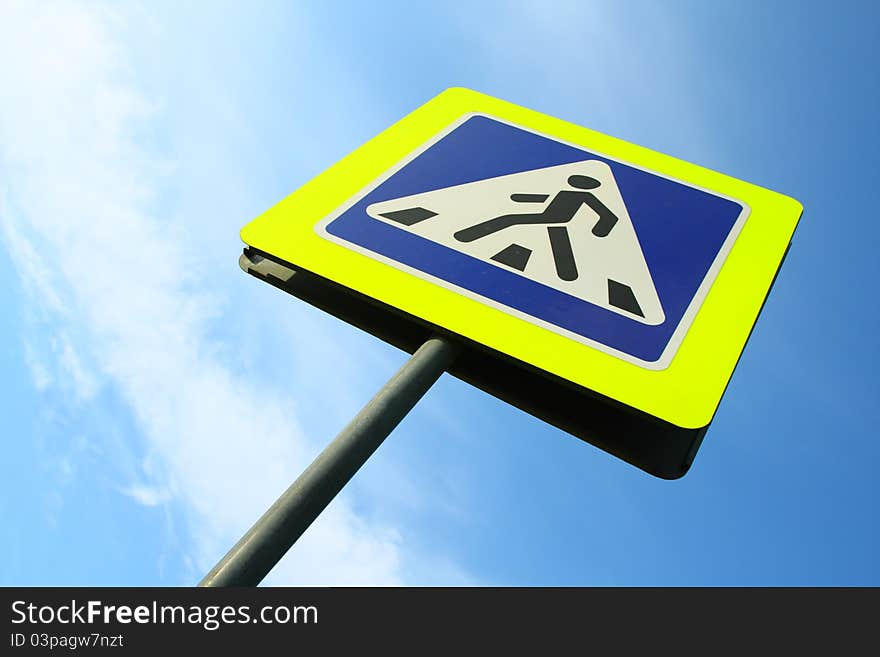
[621, 272]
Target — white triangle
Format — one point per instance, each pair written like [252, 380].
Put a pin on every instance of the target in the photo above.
[615, 257]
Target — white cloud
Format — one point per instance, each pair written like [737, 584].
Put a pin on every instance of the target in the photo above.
[80, 220]
[84, 382]
[147, 495]
[37, 367]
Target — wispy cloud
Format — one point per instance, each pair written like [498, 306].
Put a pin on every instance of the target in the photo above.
[147, 495]
[37, 367]
[80, 217]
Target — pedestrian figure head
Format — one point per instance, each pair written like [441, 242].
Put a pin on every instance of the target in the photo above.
[583, 182]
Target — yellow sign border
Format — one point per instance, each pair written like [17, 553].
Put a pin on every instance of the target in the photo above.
[686, 393]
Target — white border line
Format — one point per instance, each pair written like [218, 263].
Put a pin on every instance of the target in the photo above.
[684, 323]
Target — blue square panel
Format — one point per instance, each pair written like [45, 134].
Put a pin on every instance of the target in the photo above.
[601, 251]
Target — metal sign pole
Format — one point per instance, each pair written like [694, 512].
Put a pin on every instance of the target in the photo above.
[257, 552]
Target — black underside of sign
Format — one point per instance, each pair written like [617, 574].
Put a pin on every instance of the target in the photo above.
[657, 447]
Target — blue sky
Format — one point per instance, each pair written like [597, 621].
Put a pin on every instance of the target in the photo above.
[151, 412]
